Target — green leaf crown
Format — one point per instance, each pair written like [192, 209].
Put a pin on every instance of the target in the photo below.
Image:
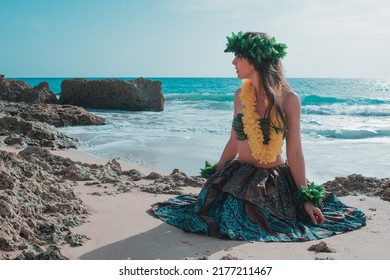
[255, 46]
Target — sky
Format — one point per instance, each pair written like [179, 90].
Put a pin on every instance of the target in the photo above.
[177, 38]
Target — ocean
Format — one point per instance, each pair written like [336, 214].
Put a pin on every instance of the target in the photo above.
[345, 126]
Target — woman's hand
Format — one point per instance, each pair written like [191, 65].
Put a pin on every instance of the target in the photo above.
[315, 213]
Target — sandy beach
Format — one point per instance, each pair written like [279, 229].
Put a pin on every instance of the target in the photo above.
[120, 226]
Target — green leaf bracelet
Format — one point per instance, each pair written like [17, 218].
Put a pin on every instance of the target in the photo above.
[208, 170]
[313, 193]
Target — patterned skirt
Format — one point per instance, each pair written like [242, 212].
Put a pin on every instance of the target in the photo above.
[244, 202]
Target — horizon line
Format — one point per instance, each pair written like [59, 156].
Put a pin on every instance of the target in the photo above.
[173, 77]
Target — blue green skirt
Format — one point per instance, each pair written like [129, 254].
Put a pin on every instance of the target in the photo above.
[244, 202]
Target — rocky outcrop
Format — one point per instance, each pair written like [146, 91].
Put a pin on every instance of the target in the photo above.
[137, 95]
[23, 124]
[22, 133]
[27, 120]
[173, 183]
[56, 115]
[358, 184]
[38, 253]
[66, 169]
[36, 207]
[18, 91]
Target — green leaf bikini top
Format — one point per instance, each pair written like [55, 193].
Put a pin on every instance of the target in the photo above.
[265, 126]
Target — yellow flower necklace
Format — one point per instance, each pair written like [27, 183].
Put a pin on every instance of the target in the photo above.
[264, 139]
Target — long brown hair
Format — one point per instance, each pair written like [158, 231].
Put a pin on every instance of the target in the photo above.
[274, 82]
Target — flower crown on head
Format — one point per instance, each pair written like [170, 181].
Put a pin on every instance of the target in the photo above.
[256, 46]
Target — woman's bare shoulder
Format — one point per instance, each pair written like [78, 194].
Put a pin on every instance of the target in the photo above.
[291, 102]
[291, 98]
[237, 101]
[237, 94]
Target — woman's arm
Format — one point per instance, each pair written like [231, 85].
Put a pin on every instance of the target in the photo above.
[295, 157]
[231, 149]
[229, 152]
[294, 152]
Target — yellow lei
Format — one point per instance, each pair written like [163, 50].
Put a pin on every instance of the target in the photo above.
[264, 153]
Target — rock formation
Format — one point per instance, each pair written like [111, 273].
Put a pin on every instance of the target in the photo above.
[27, 120]
[38, 205]
[56, 115]
[29, 133]
[358, 184]
[137, 95]
[18, 91]
[23, 124]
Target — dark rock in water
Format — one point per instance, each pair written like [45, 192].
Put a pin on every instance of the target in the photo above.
[358, 184]
[18, 91]
[137, 95]
[53, 114]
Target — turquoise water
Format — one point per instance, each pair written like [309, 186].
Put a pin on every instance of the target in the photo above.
[345, 122]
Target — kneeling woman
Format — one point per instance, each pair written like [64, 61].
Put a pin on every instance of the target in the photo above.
[253, 193]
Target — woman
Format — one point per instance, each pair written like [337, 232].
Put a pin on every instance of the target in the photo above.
[253, 193]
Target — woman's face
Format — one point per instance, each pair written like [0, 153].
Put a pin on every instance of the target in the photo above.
[243, 68]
